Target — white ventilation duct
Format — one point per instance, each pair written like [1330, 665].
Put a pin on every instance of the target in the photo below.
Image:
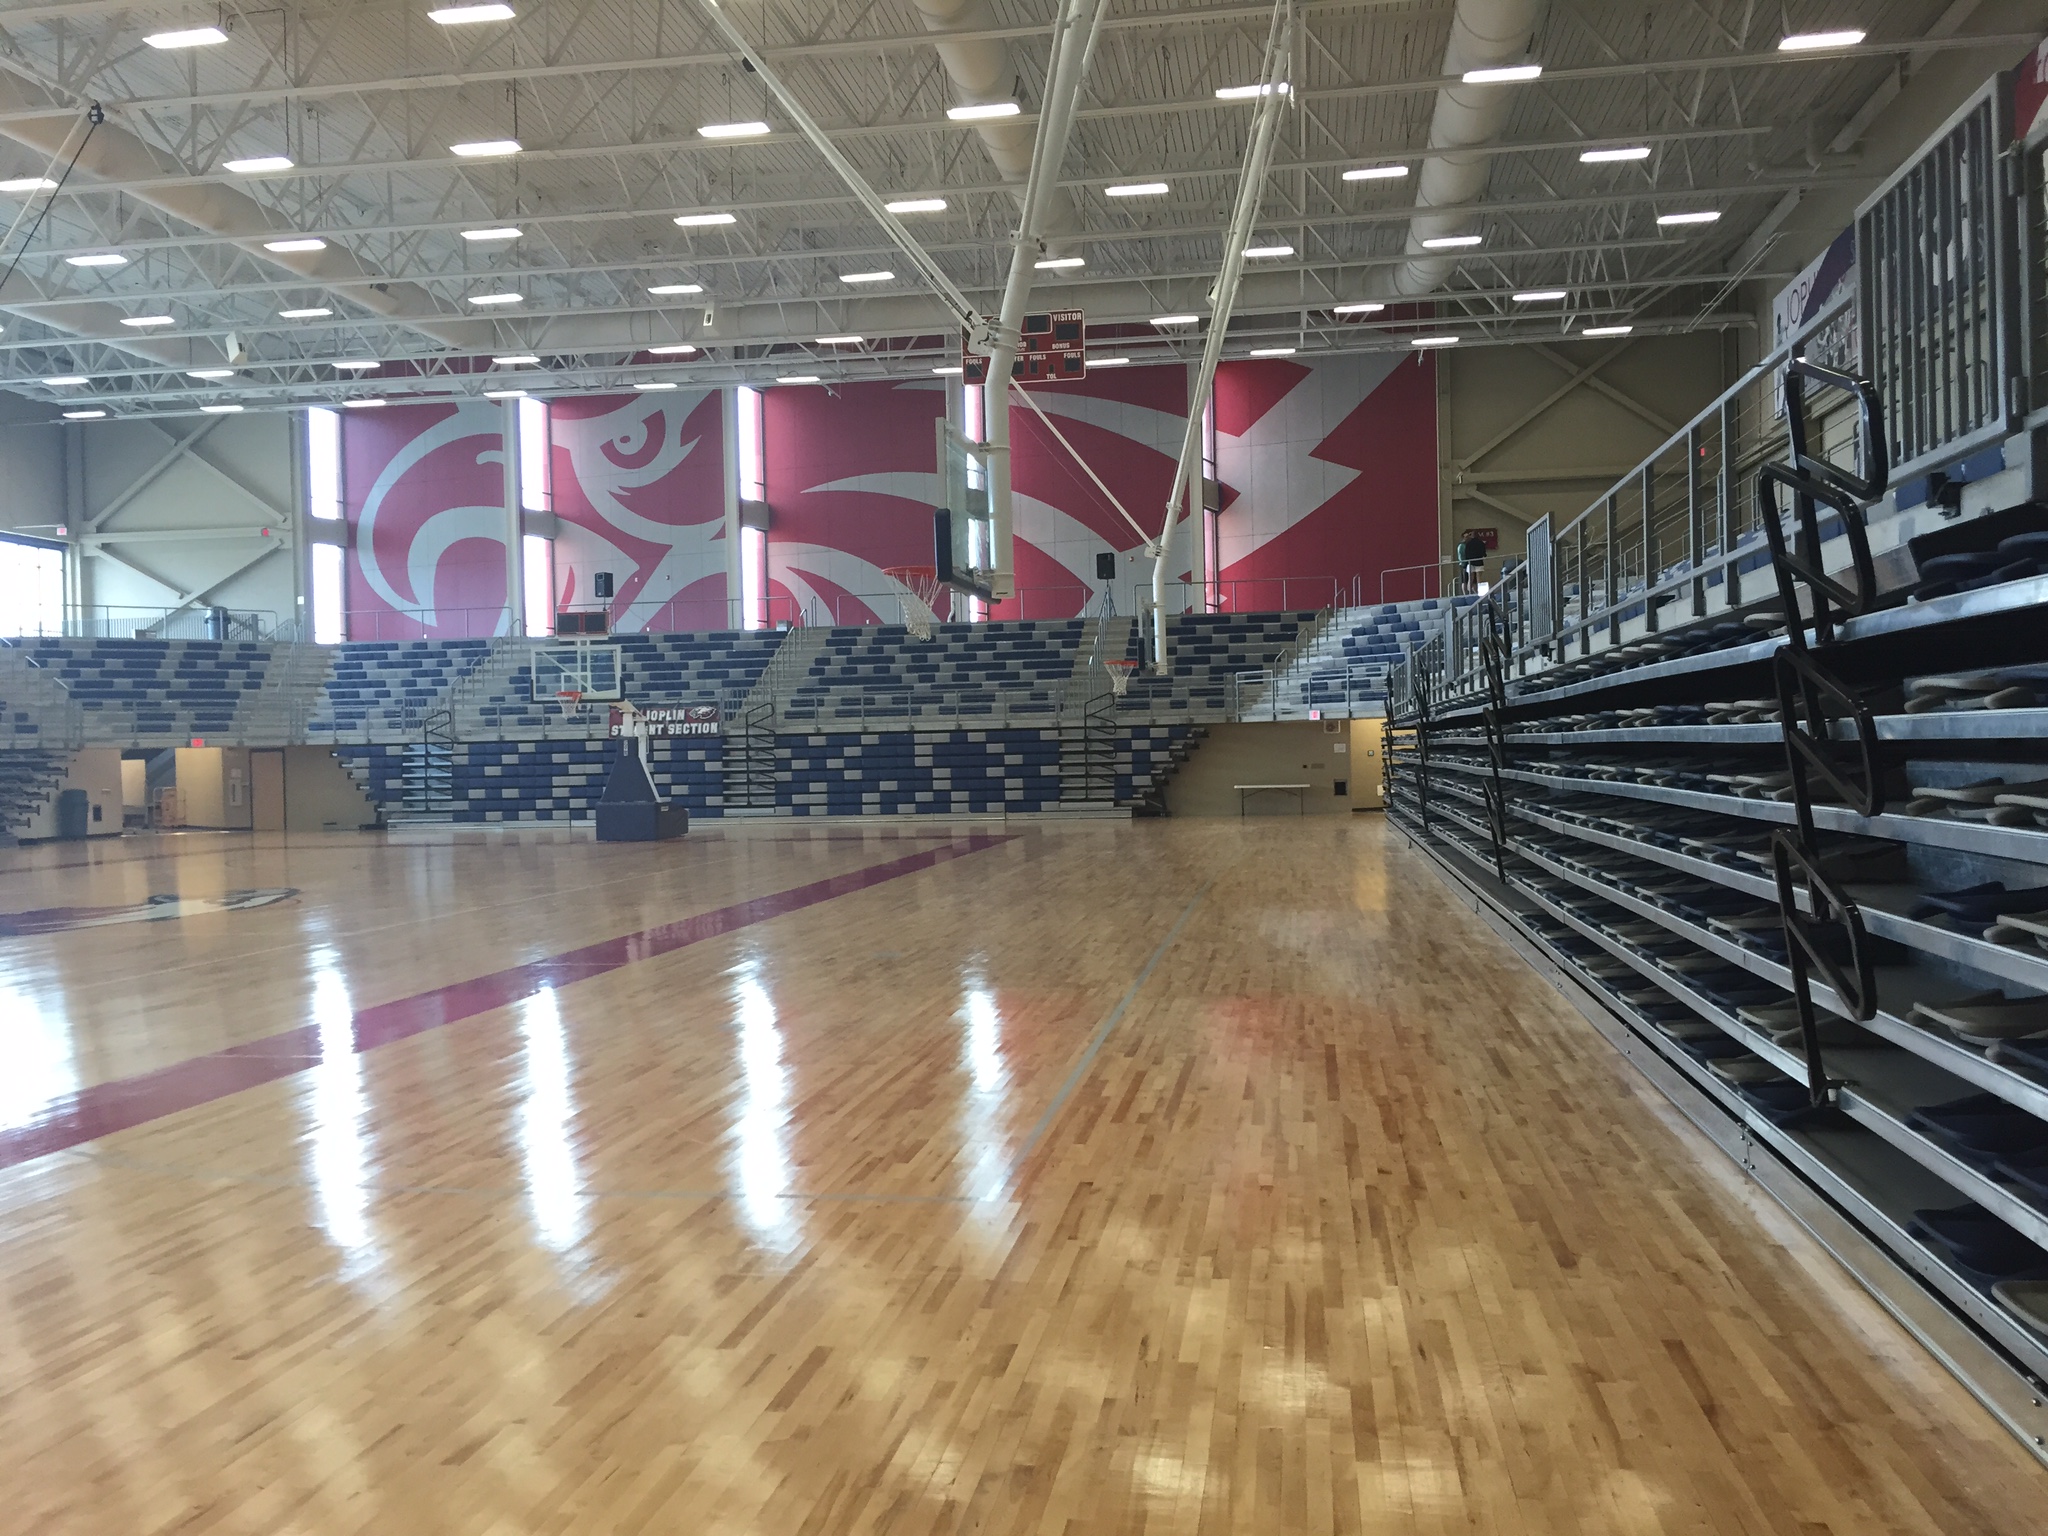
[1485, 34]
[115, 154]
[982, 72]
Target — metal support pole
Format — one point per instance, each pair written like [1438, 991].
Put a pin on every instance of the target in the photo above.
[1274, 93]
[1696, 520]
[1073, 44]
[1724, 514]
[1649, 548]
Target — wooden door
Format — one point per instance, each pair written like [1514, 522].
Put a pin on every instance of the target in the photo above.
[266, 791]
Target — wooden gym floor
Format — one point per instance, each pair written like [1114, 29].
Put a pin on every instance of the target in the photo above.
[1169, 1177]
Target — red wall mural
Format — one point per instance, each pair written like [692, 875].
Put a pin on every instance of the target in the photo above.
[638, 482]
[851, 476]
[423, 491]
[1328, 470]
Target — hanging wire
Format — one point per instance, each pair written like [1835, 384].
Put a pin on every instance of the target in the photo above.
[94, 116]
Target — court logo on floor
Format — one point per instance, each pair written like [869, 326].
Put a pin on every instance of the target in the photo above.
[158, 909]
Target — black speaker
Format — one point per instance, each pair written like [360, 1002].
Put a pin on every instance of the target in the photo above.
[601, 584]
[1105, 566]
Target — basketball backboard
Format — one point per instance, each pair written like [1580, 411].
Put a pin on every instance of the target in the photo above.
[962, 550]
[586, 667]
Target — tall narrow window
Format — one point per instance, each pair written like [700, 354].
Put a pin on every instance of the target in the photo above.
[31, 587]
[536, 494]
[750, 444]
[328, 584]
[1209, 525]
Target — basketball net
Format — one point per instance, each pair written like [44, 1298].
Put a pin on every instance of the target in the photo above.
[1120, 675]
[570, 702]
[919, 597]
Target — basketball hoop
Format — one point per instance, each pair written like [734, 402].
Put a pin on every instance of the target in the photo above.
[1121, 671]
[570, 702]
[920, 597]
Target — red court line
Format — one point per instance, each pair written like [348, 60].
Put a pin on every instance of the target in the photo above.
[127, 1102]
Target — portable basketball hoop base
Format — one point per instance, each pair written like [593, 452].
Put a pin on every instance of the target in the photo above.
[630, 810]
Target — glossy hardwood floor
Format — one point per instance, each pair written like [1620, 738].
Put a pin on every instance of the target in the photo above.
[1176, 1177]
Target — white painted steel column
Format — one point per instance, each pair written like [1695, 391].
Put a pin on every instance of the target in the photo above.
[729, 414]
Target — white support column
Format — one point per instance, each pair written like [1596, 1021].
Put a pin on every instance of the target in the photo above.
[515, 523]
[77, 583]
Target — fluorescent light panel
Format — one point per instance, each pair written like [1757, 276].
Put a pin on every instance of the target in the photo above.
[497, 298]
[1267, 252]
[189, 37]
[1250, 92]
[1505, 74]
[85, 415]
[470, 15]
[365, 405]
[917, 205]
[516, 360]
[1702, 217]
[1613, 156]
[256, 164]
[28, 184]
[673, 349]
[654, 384]
[1805, 42]
[1176, 319]
[1361, 307]
[98, 259]
[1376, 173]
[1451, 242]
[1273, 351]
[478, 149]
[1433, 341]
[1138, 189]
[982, 111]
[867, 277]
[65, 380]
[1108, 362]
[1060, 263]
[358, 364]
[703, 220]
[209, 373]
[220, 410]
[504, 394]
[143, 322]
[841, 341]
[1541, 296]
[798, 378]
[950, 371]
[502, 232]
[747, 130]
[1606, 330]
[295, 245]
[663, 290]
[304, 314]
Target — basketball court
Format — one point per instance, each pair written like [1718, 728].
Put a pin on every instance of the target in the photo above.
[938, 1177]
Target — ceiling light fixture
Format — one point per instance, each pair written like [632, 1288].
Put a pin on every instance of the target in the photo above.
[663, 290]
[841, 341]
[1267, 252]
[748, 130]
[479, 149]
[1606, 330]
[189, 37]
[220, 410]
[209, 373]
[1249, 92]
[1506, 74]
[504, 394]
[1273, 351]
[1137, 189]
[295, 245]
[654, 384]
[364, 405]
[703, 220]
[1806, 42]
[28, 184]
[142, 322]
[497, 298]
[1360, 307]
[1702, 217]
[98, 259]
[503, 232]
[304, 314]
[1451, 242]
[981, 111]
[1434, 341]
[469, 15]
[1060, 263]
[85, 415]
[257, 164]
[798, 378]
[917, 205]
[358, 364]
[1176, 319]
[1376, 173]
[1109, 362]
[516, 360]
[1541, 296]
[867, 277]
[673, 349]
[949, 371]
[65, 380]
[1612, 156]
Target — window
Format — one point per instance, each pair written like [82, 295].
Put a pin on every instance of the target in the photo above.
[537, 566]
[749, 444]
[31, 587]
[536, 494]
[328, 585]
[329, 617]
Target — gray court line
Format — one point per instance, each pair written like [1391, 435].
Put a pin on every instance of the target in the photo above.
[1101, 1036]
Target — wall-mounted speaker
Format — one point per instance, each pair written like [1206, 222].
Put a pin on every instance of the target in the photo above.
[601, 584]
[1105, 566]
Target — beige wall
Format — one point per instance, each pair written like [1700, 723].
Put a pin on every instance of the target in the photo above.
[97, 771]
[319, 796]
[1510, 457]
[1272, 752]
[213, 787]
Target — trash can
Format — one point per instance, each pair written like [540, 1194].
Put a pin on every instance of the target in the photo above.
[74, 814]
